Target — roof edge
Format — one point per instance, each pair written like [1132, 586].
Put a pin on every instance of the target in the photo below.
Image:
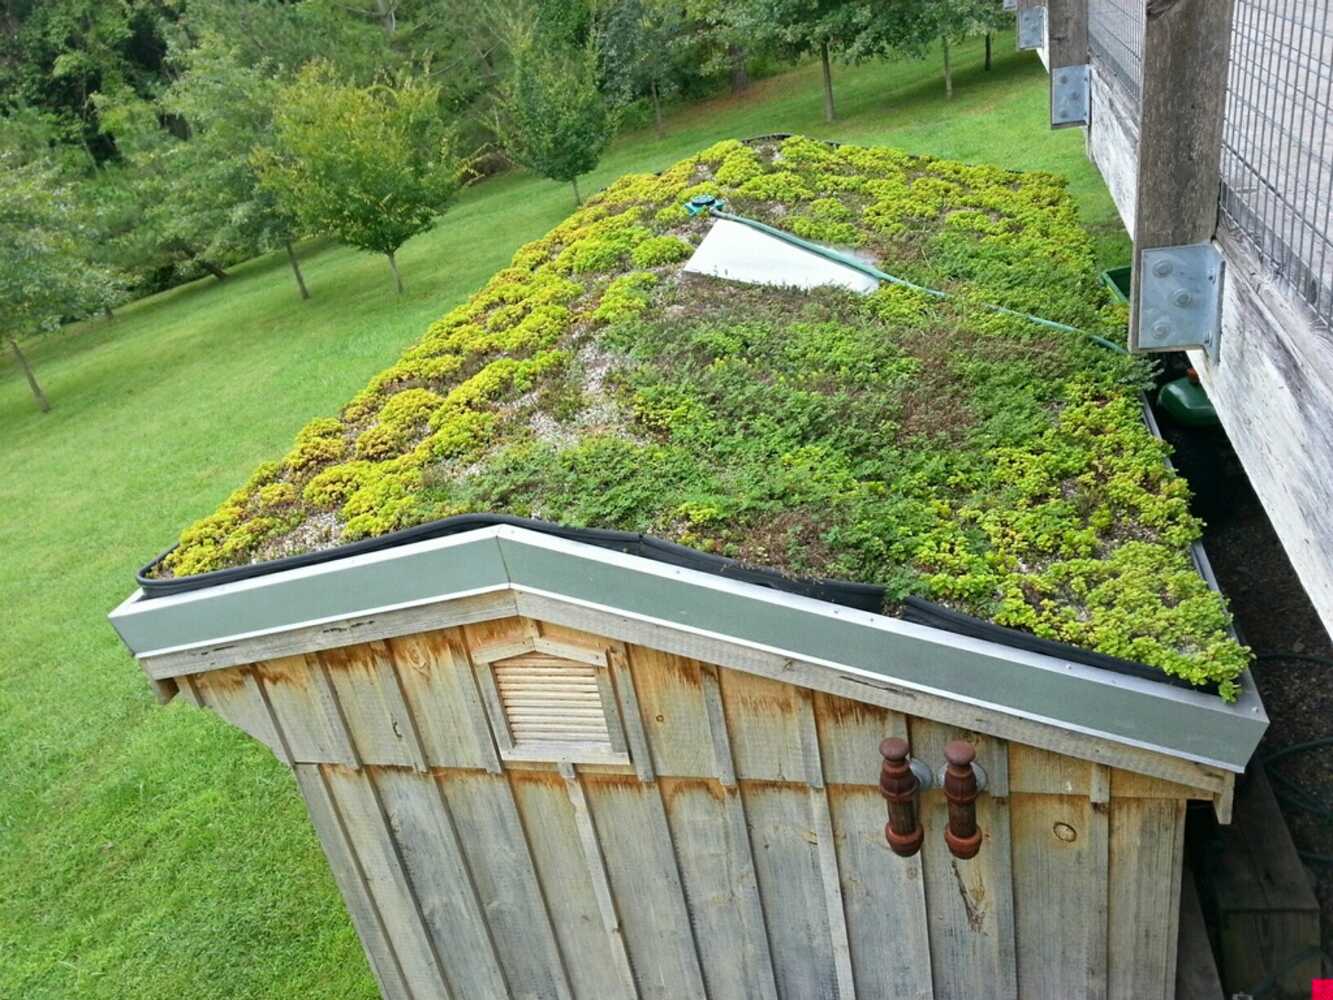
[486, 573]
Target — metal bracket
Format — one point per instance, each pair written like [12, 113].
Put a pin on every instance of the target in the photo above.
[1179, 299]
[1011, 4]
[925, 777]
[1031, 28]
[1071, 96]
[937, 778]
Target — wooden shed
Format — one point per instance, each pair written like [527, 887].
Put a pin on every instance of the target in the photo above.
[570, 762]
[542, 769]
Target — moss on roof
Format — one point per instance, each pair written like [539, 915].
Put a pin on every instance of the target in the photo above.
[941, 450]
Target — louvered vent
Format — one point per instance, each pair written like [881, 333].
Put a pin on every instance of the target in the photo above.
[552, 702]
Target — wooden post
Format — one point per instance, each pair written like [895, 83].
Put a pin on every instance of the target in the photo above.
[1066, 41]
[1186, 45]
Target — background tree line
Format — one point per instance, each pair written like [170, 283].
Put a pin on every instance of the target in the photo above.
[147, 142]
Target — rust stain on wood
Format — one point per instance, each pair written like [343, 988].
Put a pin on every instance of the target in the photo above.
[672, 788]
[975, 902]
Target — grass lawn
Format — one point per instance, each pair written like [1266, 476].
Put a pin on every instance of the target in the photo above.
[158, 853]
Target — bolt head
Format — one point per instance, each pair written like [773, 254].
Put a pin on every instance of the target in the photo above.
[1162, 329]
[1162, 268]
[1182, 298]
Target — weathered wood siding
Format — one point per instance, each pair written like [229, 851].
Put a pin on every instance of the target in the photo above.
[739, 853]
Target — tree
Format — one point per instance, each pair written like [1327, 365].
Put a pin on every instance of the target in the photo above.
[552, 118]
[228, 107]
[636, 47]
[45, 278]
[955, 20]
[852, 29]
[371, 166]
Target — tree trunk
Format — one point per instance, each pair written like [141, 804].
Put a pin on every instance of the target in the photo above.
[577, 199]
[397, 278]
[108, 313]
[43, 403]
[387, 10]
[828, 82]
[296, 270]
[948, 73]
[988, 52]
[657, 110]
[212, 268]
[740, 76]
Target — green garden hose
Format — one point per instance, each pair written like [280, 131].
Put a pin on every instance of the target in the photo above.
[713, 206]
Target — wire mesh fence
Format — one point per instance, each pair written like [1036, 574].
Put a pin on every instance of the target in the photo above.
[1277, 156]
[1115, 35]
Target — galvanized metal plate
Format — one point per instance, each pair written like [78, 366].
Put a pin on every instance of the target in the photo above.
[1011, 4]
[1031, 28]
[1071, 96]
[1180, 299]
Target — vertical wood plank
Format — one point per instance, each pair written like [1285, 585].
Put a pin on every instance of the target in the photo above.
[441, 694]
[826, 847]
[640, 755]
[750, 958]
[601, 883]
[368, 830]
[1054, 886]
[970, 903]
[764, 728]
[637, 848]
[1099, 874]
[370, 698]
[552, 833]
[351, 880]
[299, 699]
[234, 695]
[1141, 940]
[498, 854]
[791, 885]
[280, 746]
[674, 715]
[883, 894]
[434, 862]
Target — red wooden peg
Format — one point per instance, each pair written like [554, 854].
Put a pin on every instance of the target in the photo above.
[899, 787]
[960, 789]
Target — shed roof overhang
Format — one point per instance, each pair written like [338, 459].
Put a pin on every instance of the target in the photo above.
[1153, 728]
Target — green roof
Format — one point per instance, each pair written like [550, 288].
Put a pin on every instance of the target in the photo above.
[934, 447]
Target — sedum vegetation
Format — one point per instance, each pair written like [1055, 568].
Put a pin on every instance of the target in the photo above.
[973, 458]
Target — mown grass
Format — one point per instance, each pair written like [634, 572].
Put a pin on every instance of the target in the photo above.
[158, 853]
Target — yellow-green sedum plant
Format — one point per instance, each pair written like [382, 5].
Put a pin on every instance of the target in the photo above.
[933, 447]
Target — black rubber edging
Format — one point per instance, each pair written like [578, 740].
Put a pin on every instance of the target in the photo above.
[922, 612]
[862, 596]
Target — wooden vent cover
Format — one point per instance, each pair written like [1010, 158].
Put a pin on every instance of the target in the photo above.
[553, 703]
[550, 700]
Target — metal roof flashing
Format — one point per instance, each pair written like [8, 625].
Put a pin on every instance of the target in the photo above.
[503, 570]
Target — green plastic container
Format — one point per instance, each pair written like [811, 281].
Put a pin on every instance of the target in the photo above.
[1186, 403]
[1117, 280]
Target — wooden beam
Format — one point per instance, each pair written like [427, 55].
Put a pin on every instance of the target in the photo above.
[1066, 46]
[601, 882]
[1186, 45]
[1067, 32]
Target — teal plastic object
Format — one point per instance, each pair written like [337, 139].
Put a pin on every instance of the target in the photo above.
[1186, 402]
[702, 203]
[1117, 279]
